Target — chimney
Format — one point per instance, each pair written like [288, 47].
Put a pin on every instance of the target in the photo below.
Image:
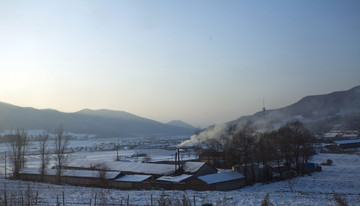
[175, 161]
[179, 162]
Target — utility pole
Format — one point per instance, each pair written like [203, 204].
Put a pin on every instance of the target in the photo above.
[117, 154]
[5, 164]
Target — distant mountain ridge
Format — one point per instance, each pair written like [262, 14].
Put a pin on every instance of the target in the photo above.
[99, 122]
[179, 123]
[317, 112]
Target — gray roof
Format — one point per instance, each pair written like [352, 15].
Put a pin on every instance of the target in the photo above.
[130, 167]
[137, 168]
[192, 167]
[351, 141]
[221, 177]
[36, 171]
[71, 173]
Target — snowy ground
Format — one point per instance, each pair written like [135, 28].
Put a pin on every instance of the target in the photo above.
[343, 177]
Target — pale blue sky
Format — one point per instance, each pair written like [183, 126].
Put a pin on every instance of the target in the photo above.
[202, 62]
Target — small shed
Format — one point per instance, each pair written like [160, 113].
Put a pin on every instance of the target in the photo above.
[224, 181]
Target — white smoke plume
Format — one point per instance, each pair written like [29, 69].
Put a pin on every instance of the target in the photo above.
[221, 131]
[214, 132]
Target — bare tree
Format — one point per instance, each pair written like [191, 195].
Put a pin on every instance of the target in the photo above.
[275, 143]
[266, 152]
[244, 144]
[164, 200]
[44, 152]
[266, 201]
[296, 145]
[102, 173]
[17, 145]
[61, 143]
[286, 145]
[307, 147]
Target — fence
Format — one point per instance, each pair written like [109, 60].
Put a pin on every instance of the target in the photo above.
[32, 198]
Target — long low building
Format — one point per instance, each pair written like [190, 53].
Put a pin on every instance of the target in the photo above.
[72, 177]
[348, 144]
[125, 175]
[194, 168]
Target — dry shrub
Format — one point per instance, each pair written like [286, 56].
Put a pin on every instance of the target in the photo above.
[338, 199]
[266, 201]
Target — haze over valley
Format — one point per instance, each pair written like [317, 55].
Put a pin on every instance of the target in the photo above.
[179, 102]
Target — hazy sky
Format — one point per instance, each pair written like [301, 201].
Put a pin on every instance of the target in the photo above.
[199, 61]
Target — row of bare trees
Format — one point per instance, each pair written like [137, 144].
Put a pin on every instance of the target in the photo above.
[290, 145]
[18, 142]
[17, 145]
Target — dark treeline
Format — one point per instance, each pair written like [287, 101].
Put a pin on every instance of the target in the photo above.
[290, 147]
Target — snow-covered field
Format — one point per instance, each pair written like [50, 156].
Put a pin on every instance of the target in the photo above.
[343, 177]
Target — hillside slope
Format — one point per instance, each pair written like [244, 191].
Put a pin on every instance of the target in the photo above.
[98, 122]
[317, 112]
[179, 123]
